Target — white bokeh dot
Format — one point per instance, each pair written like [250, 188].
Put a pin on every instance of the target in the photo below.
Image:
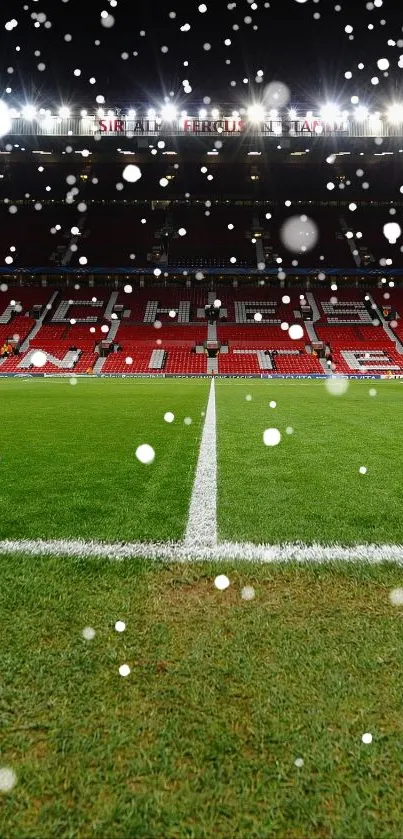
[336, 386]
[396, 596]
[38, 358]
[8, 779]
[145, 453]
[221, 582]
[131, 173]
[271, 437]
[88, 633]
[248, 593]
[296, 332]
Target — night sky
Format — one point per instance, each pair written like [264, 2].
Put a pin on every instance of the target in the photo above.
[140, 58]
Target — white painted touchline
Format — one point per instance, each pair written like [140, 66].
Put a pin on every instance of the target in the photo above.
[200, 543]
[182, 552]
[201, 530]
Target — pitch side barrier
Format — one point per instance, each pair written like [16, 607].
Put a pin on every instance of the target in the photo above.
[72, 375]
[175, 270]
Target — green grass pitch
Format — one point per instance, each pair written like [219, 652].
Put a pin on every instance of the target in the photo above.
[309, 487]
[68, 463]
[68, 467]
[240, 718]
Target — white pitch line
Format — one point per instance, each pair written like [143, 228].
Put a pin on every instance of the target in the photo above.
[200, 543]
[201, 530]
[182, 552]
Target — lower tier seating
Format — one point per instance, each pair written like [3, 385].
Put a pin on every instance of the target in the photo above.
[249, 347]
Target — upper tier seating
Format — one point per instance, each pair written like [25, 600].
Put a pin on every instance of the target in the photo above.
[116, 232]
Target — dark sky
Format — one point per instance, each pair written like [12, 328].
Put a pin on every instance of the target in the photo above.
[303, 44]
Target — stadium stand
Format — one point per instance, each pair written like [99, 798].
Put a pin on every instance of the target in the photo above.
[77, 331]
[116, 231]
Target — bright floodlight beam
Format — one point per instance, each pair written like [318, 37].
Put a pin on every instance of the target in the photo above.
[256, 113]
[169, 113]
[361, 113]
[5, 119]
[330, 112]
[28, 112]
[64, 112]
[395, 113]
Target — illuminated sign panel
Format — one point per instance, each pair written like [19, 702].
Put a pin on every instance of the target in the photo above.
[227, 126]
[194, 126]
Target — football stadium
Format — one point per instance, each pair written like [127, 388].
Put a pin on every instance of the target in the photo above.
[201, 452]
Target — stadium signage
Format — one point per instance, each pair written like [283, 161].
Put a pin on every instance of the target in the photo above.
[194, 126]
[118, 124]
[211, 126]
[153, 126]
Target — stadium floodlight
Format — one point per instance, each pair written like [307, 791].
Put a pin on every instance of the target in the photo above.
[84, 113]
[330, 112]
[169, 113]
[151, 113]
[5, 119]
[292, 113]
[361, 113]
[28, 112]
[395, 113]
[64, 112]
[48, 121]
[131, 113]
[256, 113]
[215, 113]
[202, 113]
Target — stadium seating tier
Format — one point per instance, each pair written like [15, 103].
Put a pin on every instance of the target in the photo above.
[247, 347]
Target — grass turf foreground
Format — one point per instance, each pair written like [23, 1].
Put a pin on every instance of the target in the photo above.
[68, 467]
[224, 695]
[309, 488]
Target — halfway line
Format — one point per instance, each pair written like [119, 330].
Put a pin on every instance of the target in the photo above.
[179, 552]
[201, 530]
